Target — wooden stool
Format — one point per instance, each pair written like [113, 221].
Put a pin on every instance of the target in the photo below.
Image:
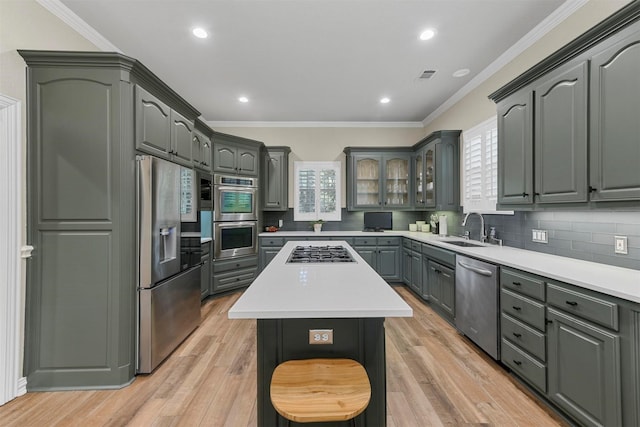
[320, 390]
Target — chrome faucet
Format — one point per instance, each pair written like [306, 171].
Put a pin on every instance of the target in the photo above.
[483, 234]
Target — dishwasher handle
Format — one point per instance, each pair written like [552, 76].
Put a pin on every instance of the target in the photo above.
[478, 270]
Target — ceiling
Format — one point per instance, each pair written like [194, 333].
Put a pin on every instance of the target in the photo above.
[313, 60]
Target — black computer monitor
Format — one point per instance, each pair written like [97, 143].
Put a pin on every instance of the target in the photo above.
[378, 221]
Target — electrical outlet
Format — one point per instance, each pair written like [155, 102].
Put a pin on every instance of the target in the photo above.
[320, 336]
[621, 245]
[280, 223]
[539, 236]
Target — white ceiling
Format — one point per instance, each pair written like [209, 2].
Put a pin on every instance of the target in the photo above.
[313, 60]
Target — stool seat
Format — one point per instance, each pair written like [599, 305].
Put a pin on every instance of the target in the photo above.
[320, 390]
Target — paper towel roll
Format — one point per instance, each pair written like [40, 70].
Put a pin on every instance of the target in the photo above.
[442, 225]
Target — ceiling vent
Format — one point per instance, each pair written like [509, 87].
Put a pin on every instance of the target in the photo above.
[427, 74]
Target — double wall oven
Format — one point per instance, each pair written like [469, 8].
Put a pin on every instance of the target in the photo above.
[235, 217]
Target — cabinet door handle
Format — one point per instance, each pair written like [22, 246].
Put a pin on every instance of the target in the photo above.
[548, 322]
[525, 194]
[517, 335]
[572, 303]
[516, 308]
[517, 362]
[592, 189]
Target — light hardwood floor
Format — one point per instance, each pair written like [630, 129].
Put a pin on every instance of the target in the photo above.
[434, 377]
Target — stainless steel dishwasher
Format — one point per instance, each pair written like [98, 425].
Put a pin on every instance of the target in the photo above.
[477, 303]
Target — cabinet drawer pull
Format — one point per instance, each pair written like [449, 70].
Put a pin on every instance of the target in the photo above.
[571, 303]
[517, 335]
[237, 265]
[525, 194]
[517, 362]
[516, 308]
[517, 283]
[592, 189]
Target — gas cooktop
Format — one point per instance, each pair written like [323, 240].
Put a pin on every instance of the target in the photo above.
[316, 254]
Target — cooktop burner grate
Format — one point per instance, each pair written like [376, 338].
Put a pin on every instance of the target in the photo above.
[319, 254]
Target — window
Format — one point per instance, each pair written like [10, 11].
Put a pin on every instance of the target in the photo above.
[317, 191]
[480, 167]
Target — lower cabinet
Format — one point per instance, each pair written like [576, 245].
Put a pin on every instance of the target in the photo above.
[442, 288]
[584, 370]
[234, 273]
[382, 254]
[580, 349]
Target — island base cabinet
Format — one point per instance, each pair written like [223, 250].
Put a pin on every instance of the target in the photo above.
[584, 370]
[279, 340]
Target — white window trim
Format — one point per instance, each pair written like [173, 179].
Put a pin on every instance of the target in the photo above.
[466, 136]
[298, 216]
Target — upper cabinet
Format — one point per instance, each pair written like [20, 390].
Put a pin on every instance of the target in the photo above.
[161, 130]
[515, 149]
[234, 155]
[615, 121]
[275, 184]
[378, 178]
[201, 147]
[568, 127]
[560, 154]
[437, 171]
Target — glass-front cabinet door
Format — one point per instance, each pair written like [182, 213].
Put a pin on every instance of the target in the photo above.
[367, 183]
[429, 176]
[418, 163]
[396, 185]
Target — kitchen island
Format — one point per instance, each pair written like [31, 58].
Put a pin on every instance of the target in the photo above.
[296, 304]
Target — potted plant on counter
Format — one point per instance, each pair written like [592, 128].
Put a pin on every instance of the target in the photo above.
[317, 225]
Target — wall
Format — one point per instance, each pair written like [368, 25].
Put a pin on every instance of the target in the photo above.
[24, 24]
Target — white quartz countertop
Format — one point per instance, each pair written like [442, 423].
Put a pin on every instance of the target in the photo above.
[320, 290]
[615, 281]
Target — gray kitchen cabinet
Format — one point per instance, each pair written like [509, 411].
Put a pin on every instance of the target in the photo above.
[523, 326]
[201, 148]
[235, 155]
[268, 248]
[439, 187]
[615, 102]
[587, 96]
[161, 130]
[437, 171]
[584, 370]
[205, 271]
[425, 289]
[80, 318]
[383, 254]
[442, 288]
[275, 182]
[412, 264]
[378, 178]
[230, 274]
[515, 149]
[560, 154]
[406, 266]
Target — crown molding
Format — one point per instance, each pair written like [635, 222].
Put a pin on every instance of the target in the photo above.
[74, 21]
[242, 124]
[543, 28]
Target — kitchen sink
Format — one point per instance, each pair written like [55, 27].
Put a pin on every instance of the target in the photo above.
[464, 243]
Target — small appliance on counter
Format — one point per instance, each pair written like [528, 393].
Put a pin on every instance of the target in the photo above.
[378, 221]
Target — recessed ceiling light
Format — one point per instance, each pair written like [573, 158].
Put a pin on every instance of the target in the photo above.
[200, 33]
[243, 99]
[427, 34]
[384, 100]
[461, 72]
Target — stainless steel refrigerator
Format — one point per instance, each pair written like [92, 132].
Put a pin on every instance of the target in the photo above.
[168, 289]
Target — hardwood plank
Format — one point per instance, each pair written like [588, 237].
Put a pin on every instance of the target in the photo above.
[435, 377]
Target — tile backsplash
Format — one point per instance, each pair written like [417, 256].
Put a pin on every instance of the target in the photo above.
[587, 235]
